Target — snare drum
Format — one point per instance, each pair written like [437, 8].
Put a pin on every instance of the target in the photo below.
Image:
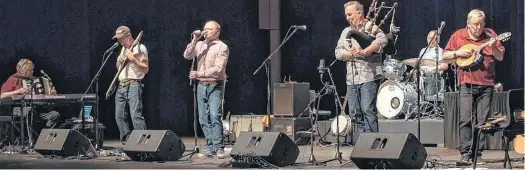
[394, 98]
[394, 69]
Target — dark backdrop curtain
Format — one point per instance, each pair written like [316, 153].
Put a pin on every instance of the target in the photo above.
[326, 20]
[67, 38]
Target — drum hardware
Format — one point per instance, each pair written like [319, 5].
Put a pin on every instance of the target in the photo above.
[393, 69]
[417, 67]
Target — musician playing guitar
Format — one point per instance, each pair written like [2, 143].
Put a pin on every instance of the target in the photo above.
[129, 90]
[476, 82]
[46, 117]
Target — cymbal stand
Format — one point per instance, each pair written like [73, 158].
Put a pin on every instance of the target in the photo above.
[417, 73]
[333, 89]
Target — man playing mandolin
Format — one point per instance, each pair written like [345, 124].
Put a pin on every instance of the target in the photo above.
[476, 82]
[129, 90]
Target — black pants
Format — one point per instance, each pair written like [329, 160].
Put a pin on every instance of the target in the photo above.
[474, 109]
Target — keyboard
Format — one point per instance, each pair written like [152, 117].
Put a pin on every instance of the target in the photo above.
[58, 98]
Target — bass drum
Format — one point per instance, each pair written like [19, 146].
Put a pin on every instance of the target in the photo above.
[394, 98]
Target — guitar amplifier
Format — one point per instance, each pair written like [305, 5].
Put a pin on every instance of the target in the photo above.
[250, 123]
[290, 126]
[290, 99]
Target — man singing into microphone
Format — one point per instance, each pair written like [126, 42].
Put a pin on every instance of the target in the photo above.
[129, 90]
[363, 69]
[212, 56]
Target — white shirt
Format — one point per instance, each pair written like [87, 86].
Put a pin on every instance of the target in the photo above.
[132, 71]
[431, 55]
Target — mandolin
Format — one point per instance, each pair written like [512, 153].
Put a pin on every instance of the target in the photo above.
[476, 56]
[518, 143]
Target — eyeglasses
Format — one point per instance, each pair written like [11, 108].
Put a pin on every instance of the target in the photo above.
[481, 24]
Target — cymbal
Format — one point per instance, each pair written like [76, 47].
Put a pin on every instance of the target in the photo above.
[424, 62]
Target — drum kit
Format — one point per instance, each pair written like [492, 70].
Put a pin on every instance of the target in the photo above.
[397, 97]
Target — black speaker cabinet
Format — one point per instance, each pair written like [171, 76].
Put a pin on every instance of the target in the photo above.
[388, 151]
[63, 142]
[154, 145]
[290, 99]
[274, 147]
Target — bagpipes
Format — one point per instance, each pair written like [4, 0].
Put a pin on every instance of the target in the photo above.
[366, 34]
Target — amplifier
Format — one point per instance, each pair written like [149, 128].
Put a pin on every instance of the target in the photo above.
[239, 123]
[290, 99]
[290, 126]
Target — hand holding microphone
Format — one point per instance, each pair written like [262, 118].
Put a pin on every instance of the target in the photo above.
[197, 34]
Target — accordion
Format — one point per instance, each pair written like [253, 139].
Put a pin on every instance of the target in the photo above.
[41, 85]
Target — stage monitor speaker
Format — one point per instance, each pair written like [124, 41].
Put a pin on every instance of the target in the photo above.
[290, 99]
[154, 145]
[388, 151]
[275, 147]
[65, 143]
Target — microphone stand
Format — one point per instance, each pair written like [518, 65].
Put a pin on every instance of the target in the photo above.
[265, 64]
[193, 83]
[417, 73]
[81, 100]
[338, 154]
[31, 112]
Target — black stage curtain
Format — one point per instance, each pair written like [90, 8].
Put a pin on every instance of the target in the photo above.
[326, 20]
[67, 40]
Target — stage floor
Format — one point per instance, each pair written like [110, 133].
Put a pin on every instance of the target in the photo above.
[493, 159]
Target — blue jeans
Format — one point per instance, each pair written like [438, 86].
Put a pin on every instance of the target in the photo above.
[209, 106]
[362, 104]
[132, 96]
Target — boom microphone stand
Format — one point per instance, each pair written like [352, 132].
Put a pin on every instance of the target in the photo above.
[95, 79]
[265, 64]
[417, 72]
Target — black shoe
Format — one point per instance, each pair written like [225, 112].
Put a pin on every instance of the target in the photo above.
[465, 159]
[479, 161]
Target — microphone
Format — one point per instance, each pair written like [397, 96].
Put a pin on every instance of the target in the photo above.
[321, 67]
[200, 33]
[301, 27]
[110, 48]
[45, 75]
[441, 27]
